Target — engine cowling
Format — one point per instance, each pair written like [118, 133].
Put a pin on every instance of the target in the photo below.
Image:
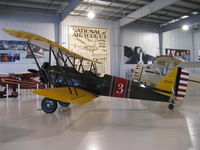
[137, 73]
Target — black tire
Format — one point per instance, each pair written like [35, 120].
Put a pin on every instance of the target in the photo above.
[49, 105]
[171, 106]
[64, 104]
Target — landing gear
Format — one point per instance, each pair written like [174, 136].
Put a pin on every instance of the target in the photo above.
[172, 101]
[171, 106]
[64, 104]
[49, 105]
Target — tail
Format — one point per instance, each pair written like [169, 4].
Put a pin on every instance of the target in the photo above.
[174, 84]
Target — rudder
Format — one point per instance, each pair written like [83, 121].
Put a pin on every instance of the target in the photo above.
[175, 83]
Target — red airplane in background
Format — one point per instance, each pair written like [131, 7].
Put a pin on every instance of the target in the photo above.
[24, 80]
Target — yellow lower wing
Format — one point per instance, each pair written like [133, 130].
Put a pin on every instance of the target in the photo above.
[64, 95]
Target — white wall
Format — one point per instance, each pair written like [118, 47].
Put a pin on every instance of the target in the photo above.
[99, 23]
[38, 23]
[145, 36]
[178, 39]
[196, 37]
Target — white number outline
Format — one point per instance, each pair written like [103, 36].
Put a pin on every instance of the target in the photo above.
[120, 88]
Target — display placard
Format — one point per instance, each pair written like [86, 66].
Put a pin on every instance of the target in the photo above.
[93, 43]
[182, 54]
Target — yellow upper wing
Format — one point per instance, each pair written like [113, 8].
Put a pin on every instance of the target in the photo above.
[63, 94]
[30, 36]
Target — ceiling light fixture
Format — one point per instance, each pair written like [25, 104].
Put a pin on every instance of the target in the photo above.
[195, 12]
[91, 14]
[185, 16]
[185, 27]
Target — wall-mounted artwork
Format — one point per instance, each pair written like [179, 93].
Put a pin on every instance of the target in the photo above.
[18, 52]
[182, 54]
[93, 43]
[136, 55]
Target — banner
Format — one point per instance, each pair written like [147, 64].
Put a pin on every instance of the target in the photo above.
[136, 55]
[92, 43]
[182, 54]
[18, 52]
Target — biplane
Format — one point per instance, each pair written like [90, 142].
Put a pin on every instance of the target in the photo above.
[19, 80]
[74, 79]
[152, 74]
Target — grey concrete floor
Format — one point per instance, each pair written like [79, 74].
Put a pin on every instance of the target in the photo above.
[103, 124]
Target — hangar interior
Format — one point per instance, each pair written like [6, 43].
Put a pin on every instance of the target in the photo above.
[105, 123]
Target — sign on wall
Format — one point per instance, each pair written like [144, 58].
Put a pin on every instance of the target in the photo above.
[18, 52]
[93, 43]
[136, 55]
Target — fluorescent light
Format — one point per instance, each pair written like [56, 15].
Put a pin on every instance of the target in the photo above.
[195, 12]
[185, 16]
[185, 27]
[172, 21]
[91, 14]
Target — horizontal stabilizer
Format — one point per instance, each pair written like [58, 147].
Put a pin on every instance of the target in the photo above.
[78, 96]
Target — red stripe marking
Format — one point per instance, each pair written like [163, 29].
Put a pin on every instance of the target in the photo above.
[182, 90]
[151, 72]
[185, 73]
[182, 84]
[184, 79]
[180, 95]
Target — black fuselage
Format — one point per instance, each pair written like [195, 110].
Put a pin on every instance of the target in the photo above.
[106, 86]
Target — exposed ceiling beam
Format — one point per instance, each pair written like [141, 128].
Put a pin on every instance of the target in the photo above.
[104, 14]
[29, 5]
[25, 9]
[164, 17]
[59, 2]
[178, 9]
[186, 2]
[123, 3]
[146, 10]
[152, 20]
[69, 8]
[110, 7]
[157, 18]
[174, 12]
[191, 20]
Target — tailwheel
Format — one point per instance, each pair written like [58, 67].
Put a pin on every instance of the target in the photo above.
[64, 104]
[49, 105]
[171, 106]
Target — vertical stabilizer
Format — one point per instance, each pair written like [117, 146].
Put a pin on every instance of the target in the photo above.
[175, 83]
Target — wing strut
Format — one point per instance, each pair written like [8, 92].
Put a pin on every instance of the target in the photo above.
[29, 46]
[71, 62]
[57, 63]
[49, 74]
[62, 58]
[81, 65]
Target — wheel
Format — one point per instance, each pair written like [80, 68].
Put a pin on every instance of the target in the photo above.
[171, 106]
[64, 104]
[49, 105]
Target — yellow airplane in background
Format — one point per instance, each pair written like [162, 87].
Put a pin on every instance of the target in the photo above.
[152, 74]
[74, 79]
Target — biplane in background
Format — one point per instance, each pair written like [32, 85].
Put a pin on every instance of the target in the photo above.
[151, 74]
[69, 82]
[19, 80]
